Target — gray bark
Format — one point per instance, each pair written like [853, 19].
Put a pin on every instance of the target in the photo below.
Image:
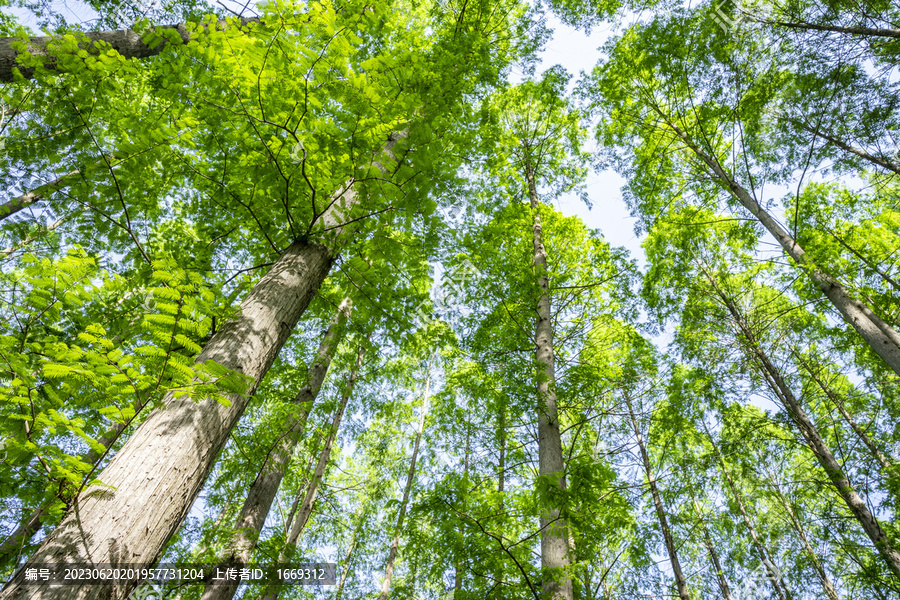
[555, 560]
[156, 476]
[772, 571]
[265, 487]
[801, 532]
[814, 440]
[410, 478]
[124, 41]
[306, 506]
[880, 336]
[713, 555]
[680, 581]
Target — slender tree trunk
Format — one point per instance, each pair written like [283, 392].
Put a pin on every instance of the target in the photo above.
[155, 478]
[814, 440]
[876, 160]
[876, 452]
[345, 572]
[265, 487]
[305, 509]
[410, 477]
[14, 205]
[801, 532]
[124, 41]
[556, 579]
[457, 579]
[771, 570]
[713, 555]
[680, 581]
[861, 31]
[880, 336]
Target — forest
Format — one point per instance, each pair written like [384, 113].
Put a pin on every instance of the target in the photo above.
[288, 284]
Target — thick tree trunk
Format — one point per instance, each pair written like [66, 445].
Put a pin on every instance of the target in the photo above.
[410, 477]
[29, 526]
[124, 41]
[880, 336]
[713, 555]
[265, 487]
[555, 560]
[155, 478]
[157, 475]
[814, 440]
[680, 581]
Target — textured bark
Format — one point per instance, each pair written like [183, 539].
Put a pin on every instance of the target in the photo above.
[880, 336]
[306, 506]
[814, 440]
[680, 581]
[265, 487]
[124, 41]
[876, 452]
[410, 477]
[555, 560]
[713, 555]
[157, 475]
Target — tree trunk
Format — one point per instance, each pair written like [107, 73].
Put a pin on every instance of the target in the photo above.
[14, 205]
[713, 555]
[345, 572]
[265, 487]
[124, 41]
[680, 581]
[556, 579]
[814, 440]
[410, 477]
[309, 499]
[29, 526]
[156, 476]
[773, 573]
[801, 532]
[880, 336]
[883, 460]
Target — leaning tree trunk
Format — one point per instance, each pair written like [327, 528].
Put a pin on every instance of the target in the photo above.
[304, 509]
[265, 487]
[556, 579]
[711, 550]
[801, 532]
[154, 479]
[410, 477]
[772, 571]
[880, 336]
[680, 581]
[813, 438]
[124, 41]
